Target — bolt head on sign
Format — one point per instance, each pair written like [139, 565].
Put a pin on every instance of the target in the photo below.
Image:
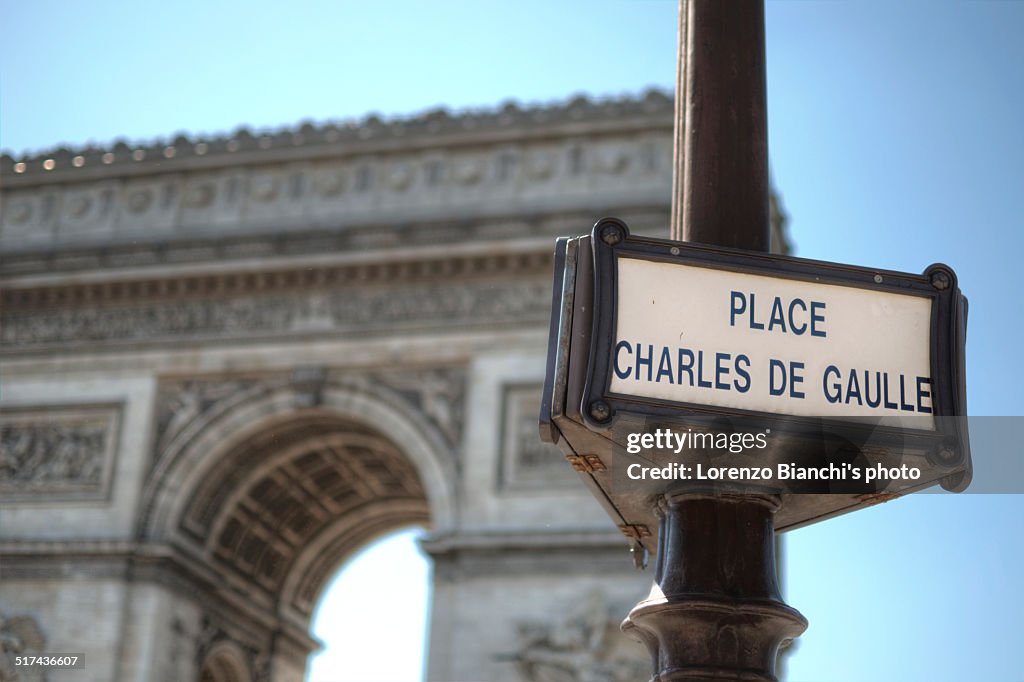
[687, 367]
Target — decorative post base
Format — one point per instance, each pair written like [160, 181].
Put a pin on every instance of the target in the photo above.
[715, 611]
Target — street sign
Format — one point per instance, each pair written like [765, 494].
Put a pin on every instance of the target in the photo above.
[690, 334]
[828, 365]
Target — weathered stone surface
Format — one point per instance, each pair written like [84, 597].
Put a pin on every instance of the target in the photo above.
[229, 363]
[58, 451]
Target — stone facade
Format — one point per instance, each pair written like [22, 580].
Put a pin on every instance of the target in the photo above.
[230, 363]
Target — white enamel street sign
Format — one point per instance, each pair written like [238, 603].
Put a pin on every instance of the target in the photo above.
[771, 344]
[676, 328]
[826, 367]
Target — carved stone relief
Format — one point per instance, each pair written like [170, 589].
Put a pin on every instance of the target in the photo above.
[207, 201]
[438, 393]
[181, 403]
[526, 461]
[584, 646]
[64, 452]
[20, 636]
[221, 658]
[358, 309]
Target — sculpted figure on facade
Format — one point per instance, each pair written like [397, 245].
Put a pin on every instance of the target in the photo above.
[20, 636]
[51, 453]
[580, 648]
[438, 393]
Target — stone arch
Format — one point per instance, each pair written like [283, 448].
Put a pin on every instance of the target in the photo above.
[318, 561]
[268, 488]
[183, 458]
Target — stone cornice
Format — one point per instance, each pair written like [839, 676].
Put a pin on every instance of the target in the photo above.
[356, 196]
[484, 541]
[72, 264]
[371, 135]
[479, 289]
[75, 548]
[181, 287]
[502, 553]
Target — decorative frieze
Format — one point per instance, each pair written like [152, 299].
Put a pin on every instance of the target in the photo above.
[358, 310]
[584, 155]
[60, 452]
[367, 189]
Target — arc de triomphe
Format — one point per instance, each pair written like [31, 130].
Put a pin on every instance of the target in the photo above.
[229, 363]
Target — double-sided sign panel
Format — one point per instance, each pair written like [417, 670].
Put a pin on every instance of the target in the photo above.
[843, 384]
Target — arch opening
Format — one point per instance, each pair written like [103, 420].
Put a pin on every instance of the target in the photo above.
[269, 498]
[285, 506]
[383, 588]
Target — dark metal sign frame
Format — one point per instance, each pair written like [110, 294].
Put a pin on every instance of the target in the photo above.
[611, 240]
[584, 324]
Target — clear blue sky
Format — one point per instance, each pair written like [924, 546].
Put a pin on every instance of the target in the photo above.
[896, 140]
